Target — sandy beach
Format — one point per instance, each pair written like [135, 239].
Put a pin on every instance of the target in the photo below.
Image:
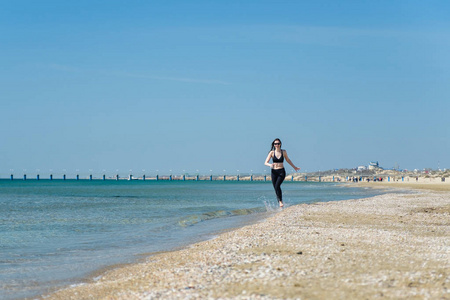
[393, 246]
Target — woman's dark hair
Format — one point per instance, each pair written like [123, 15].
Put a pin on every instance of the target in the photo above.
[273, 146]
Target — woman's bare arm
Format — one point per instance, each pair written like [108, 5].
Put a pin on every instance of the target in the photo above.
[267, 162]
[289, 161]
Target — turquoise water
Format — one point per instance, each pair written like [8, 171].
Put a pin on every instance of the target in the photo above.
[55, 233]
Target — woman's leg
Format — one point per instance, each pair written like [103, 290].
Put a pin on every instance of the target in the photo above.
[277, 179]
[280, 179]
[274, 176]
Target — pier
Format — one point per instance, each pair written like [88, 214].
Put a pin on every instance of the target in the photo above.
[156, 175]
[159, 177]
[241, 177]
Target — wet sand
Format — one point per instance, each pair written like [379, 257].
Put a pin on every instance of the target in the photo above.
[432, 186]
[393, 246]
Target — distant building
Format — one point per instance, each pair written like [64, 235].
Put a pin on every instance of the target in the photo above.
[373, 165]
[362, 168]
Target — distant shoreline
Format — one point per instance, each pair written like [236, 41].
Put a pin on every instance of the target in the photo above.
[326, 176]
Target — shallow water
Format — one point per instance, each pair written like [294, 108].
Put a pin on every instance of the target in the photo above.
[55, 233]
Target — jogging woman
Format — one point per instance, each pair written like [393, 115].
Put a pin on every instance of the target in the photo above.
[278, 156]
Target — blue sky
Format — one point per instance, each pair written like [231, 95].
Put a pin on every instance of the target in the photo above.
[207, 85]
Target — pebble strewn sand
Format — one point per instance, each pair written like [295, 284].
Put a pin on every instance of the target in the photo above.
[394, 246]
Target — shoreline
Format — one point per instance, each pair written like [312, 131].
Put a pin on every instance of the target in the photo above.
[392, 245]
[93, 276]
[180, 235]
[144, 257]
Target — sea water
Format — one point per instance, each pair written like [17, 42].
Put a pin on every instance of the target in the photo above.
[56, 233]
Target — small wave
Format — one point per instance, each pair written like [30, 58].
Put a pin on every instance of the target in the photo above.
[247, 211]
[271, 206]
[194, 219]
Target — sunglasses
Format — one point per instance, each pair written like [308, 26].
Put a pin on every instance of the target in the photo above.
[277, 143]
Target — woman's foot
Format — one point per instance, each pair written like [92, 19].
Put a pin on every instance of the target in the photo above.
[281, 203]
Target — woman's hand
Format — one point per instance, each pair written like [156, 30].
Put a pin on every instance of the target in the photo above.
[296, 169]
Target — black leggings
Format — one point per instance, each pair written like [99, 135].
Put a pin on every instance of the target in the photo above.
[278, 176]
